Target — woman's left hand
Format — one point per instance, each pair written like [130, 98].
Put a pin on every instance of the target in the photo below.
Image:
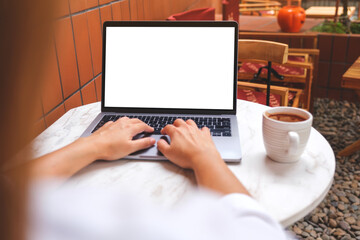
[114, 140]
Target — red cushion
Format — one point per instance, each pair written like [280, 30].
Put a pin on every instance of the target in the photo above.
[250, 67]
[296, 58]
[292, 95]
[195, 14]
[259, 97]
[230, 10]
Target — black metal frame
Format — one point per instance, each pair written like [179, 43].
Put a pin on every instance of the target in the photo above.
[268, 79]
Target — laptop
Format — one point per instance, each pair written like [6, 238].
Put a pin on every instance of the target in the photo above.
[164, 70]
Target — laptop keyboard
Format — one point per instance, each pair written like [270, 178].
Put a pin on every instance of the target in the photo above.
[218, 126]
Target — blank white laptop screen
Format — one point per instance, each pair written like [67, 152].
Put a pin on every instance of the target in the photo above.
[169, 67]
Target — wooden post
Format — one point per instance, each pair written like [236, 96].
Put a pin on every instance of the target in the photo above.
[345, 7]
[336, 10]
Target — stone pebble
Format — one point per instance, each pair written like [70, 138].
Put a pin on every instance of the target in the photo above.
[338, 216]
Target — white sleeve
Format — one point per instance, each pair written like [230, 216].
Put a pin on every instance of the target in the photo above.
[90, 214]
[255, 222]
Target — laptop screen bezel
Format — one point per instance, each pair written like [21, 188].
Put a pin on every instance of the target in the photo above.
[170, 24]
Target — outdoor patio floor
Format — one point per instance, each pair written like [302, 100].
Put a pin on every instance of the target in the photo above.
[338, 216]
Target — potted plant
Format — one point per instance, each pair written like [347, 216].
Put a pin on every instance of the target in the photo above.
[341, 24]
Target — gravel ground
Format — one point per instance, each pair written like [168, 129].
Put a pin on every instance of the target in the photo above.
[338, 216]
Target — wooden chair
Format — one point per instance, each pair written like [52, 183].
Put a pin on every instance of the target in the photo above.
[290, 2]
[231, 9]
[265, 7]
[298, 43]
[297, 71]
[351, 80]
[271, 52]
[261, 7]
[279, 96]
[199, 14]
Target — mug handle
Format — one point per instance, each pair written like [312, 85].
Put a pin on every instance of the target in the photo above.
[293, 142]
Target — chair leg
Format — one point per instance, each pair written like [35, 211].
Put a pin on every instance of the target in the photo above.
[268, 84]
[307, 94]
[350, 149]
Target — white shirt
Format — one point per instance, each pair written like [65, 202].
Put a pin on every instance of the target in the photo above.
[87, 214]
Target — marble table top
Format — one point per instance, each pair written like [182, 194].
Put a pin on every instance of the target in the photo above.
[287, 191]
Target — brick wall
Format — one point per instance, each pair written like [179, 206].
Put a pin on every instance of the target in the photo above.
[73, 72]
[73, 69]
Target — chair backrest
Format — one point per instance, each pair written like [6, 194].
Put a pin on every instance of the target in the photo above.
[194, 14]
[259, 5]
[230, 10]
[291, 2]
[262, 50]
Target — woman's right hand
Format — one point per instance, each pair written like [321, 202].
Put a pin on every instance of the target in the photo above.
[193, 148]
[190, 146]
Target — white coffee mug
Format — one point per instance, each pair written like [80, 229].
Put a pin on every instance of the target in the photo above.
[285, 141]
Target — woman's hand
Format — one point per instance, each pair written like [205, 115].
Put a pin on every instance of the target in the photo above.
[114, 140]
[110, 142]
[193, 148]
[190, 147]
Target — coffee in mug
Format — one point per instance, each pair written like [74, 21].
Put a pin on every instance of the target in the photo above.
[287, 117]
[286, 131]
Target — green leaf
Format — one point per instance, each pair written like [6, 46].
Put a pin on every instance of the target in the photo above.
[355, 27]
[330, 27]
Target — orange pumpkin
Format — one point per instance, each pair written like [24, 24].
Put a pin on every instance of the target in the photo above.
[291, 18]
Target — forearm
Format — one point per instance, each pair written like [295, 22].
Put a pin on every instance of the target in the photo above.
[217, 176]
[64, 162]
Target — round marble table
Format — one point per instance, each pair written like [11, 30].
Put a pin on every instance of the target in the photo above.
[287, 191]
